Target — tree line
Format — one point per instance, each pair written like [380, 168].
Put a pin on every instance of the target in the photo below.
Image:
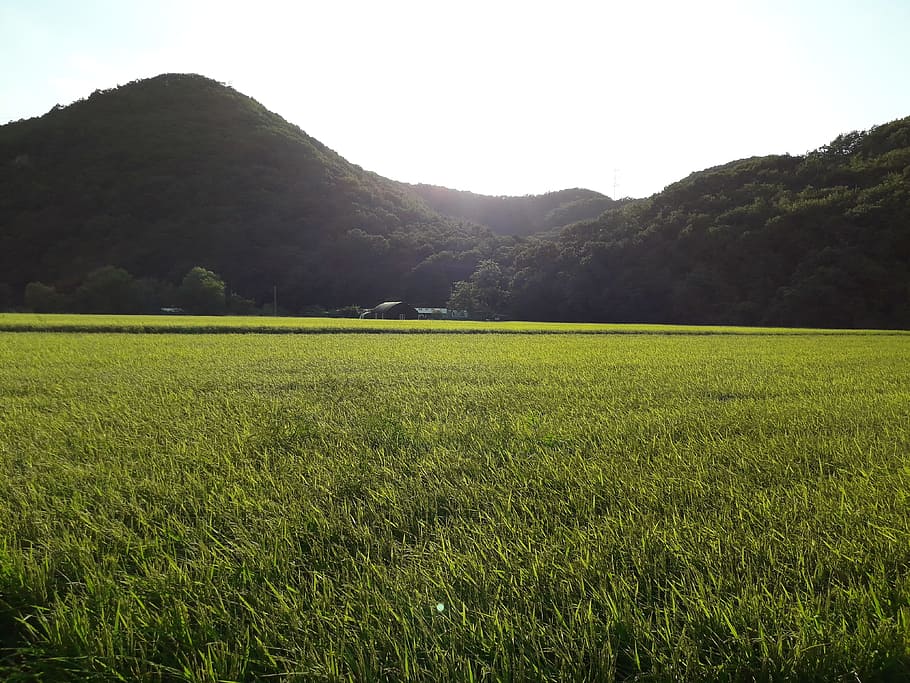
[111, 289]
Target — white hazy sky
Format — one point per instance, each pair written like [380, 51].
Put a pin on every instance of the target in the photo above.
[498, 97]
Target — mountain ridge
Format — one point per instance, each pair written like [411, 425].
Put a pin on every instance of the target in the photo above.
[179, 170]
[516, 215]
[165, 174]
[821, 239]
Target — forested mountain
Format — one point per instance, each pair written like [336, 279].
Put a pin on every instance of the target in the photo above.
[162, 175]
[815, 240]
[517, 215]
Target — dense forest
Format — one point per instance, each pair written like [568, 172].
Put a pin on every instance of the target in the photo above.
[148, 183]
[178, 171]
[815, 240]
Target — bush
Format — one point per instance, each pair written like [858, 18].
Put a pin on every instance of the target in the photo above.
[108, 290]
[42, 298]
[202, 292]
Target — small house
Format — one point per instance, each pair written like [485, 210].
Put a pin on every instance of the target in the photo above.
[391, 310]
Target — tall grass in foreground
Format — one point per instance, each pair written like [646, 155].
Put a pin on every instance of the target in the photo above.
[430, 507]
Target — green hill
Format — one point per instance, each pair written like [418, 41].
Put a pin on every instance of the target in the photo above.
[815, 240]
[160, 175]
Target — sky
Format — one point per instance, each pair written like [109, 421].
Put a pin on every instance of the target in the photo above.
[497, 97]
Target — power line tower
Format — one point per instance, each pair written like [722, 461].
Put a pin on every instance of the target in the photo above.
[615, 183]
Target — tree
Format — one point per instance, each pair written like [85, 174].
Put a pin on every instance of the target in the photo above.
[202, 292]
[108, 290]
[42, 298]
[484, 294]
[238, 305]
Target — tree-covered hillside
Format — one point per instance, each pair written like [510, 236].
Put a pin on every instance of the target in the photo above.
[143, 184]
[815, 240]
[517, 215]
[161, 175]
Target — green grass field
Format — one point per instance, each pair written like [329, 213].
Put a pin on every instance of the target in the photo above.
[186, 324]
[502, 507]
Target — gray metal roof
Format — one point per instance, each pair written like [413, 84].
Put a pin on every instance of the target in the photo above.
[386, 305]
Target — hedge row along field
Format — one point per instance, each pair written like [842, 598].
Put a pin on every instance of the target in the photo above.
[454, 507]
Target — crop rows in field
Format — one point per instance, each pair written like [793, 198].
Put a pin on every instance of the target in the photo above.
[448, 507]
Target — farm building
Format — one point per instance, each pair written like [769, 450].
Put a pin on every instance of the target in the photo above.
[392, 310]
[441, 314]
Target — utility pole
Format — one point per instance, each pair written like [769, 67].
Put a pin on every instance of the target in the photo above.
[275, 300]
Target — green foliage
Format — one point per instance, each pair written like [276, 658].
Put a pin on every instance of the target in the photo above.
[430, 282]
[238, 305]
[113, 290]
[42, 298]
[142, 178]
[636, 507]
[202, 292]
[820, 240]
[484, 294]
[108, 290]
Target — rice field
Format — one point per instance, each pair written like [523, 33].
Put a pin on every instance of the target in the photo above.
[199, 324]
[650, 506]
